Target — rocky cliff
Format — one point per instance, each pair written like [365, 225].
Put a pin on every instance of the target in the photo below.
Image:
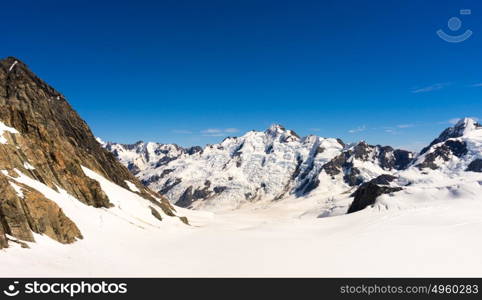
[42, 137]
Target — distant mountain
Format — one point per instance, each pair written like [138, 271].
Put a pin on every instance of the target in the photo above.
[257, 166]
[448, 169]
[456, 147]
[49, 158]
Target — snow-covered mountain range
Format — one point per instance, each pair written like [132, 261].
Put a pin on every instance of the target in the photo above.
[81, 213]
[277, 163]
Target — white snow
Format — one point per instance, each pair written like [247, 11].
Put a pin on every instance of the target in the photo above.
[431, 240]
[4, 128]
[132, 186]
[100, 141]
[17, 189]
[12, 66]
[28, 166]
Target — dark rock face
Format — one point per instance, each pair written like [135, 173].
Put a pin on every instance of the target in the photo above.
[307, 185]
[352, 177]
[397, 159]
[403, 159]
[444, 151]
[169, 185]
[368, 192]
[191, 195]
[164, 161]
[335, 166]
[194, 150]
[155, 213]
[133, 168]
[13, 216]
[341, 164]
[45, 217]
[457, 148]
[384, 179]
[219, 189]
[20, 216]
[56, 142]
[386, 157]
[362, 151]
[186, 198]
[475, 166]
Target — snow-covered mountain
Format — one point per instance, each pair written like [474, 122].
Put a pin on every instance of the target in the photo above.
[258, 166]
[457, 148]
[449, 169]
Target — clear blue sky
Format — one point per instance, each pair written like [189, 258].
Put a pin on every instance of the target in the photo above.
[191, 71]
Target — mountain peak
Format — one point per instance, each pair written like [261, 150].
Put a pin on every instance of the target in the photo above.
[278, 131]
[465, 125]
[19, 82]
[10, 58]
[276, 128]
[462, 128]
[10, 62]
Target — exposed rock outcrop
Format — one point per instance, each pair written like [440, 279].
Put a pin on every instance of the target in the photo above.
[368, 192]
[475, 166]
[384, 157]
[13, 212]
[46, 217]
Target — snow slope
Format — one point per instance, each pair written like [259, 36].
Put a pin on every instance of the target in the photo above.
[104, 229]
[430, 240]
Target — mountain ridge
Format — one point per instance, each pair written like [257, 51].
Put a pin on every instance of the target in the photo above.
[303, 165]
[196, 180]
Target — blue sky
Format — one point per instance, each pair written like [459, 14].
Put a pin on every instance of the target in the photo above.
[191, 72]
